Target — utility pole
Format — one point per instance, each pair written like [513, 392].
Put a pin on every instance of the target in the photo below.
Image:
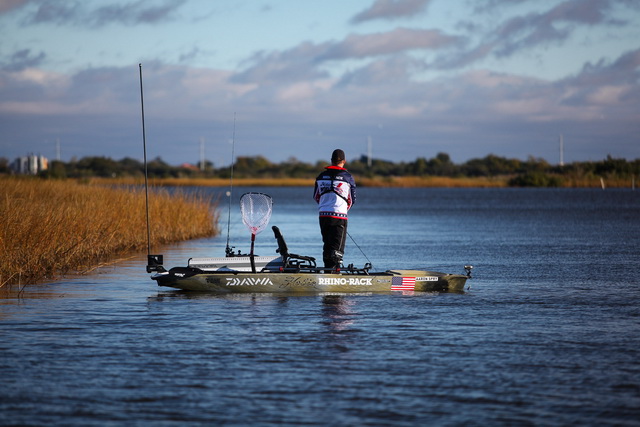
[202, 154]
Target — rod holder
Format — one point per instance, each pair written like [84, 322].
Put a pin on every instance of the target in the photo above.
[154, 263]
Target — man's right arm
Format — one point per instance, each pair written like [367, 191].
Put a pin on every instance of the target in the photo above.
[316, 192]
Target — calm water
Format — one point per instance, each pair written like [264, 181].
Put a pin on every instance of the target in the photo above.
[548, 333]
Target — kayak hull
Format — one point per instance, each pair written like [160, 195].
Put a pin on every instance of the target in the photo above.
[225, 282]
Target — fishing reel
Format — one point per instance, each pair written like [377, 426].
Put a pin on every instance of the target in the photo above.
[230, 253]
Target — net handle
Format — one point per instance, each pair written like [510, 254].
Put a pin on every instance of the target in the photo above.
[248, 217]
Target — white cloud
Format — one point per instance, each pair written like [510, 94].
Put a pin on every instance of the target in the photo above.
[82, 14]
[391, 9]
[391, 42]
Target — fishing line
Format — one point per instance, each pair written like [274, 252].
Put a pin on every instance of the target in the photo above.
[365, 255]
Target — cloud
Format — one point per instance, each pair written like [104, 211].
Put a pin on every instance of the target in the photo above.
[81, 14]
[8, 5]
[614, 86]
[539, 28]
[193, 54]
[522, 32]
[395, 41]
[396, 70]
[303, 61]
[23, 59]
[391, 9]
[139, 12]
[481, 6]
[296, 64]
[56, 13]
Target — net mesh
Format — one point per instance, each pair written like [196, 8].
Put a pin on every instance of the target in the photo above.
[256, 211]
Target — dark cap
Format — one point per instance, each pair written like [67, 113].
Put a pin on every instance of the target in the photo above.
[337, 156]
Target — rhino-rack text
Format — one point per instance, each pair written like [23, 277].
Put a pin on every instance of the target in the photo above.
[352, 281]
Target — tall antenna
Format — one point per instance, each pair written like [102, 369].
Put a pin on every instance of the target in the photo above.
[58, 149]
[561, 151]
[369, 150]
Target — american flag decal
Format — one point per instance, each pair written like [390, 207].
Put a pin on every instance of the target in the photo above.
[403, 283]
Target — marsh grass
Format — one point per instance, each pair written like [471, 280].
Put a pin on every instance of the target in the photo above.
[595, 182]
[55, 227]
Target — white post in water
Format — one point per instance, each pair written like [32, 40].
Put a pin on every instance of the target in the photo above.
[602, 183]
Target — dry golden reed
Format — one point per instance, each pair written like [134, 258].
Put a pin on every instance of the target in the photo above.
[54, 227]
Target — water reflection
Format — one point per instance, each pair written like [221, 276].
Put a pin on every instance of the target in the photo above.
[338, 317]
[338, 312]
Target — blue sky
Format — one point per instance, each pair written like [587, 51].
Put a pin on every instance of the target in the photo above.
[300, 78]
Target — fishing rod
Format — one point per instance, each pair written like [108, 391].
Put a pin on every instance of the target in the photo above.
[144, 147]
[154, 262]
[229, 251]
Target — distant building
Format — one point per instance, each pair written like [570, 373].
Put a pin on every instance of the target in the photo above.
[29, 165]
[189, 166]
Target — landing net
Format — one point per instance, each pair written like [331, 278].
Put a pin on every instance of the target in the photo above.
[256, 211]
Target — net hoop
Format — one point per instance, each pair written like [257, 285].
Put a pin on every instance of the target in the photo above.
[256, 211]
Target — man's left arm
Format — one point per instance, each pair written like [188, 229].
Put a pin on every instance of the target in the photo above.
[352, 185]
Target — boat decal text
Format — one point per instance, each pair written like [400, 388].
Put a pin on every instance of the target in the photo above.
[352, 281]
[248, 281]
[298, 282]
[427, 279]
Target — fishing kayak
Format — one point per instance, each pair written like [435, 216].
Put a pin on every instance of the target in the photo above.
[289, 273]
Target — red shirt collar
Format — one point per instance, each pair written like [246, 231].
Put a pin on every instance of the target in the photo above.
[335, 167]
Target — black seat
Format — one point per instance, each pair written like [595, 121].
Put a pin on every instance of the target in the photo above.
[282, 246]
[284, 251]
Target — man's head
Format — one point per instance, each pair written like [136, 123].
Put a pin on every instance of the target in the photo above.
[337, 157]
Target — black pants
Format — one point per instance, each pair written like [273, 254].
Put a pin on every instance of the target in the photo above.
[334, 235]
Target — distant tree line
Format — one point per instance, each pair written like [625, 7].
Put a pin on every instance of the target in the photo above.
[531, 172]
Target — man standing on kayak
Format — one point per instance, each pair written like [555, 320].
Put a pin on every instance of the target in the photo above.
[335, 193]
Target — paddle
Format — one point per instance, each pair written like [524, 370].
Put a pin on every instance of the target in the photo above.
[256, 211]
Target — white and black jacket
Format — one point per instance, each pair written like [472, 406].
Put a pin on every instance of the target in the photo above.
[335, 192]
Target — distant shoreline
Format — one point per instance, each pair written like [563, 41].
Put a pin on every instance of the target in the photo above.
[375, 182]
